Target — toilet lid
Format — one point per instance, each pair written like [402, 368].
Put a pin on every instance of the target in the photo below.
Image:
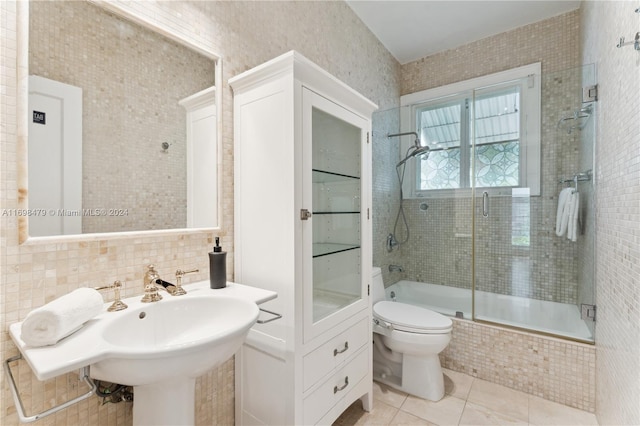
[411, 317]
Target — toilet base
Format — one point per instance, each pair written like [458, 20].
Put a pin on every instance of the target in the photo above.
[420, 376]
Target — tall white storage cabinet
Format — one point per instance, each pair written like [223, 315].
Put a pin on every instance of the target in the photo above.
[303, 229]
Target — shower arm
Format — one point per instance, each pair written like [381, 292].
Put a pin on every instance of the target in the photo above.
[402, 134]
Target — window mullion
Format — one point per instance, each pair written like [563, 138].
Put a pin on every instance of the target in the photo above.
[465, 145]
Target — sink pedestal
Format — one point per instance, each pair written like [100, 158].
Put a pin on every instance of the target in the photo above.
[171, 402]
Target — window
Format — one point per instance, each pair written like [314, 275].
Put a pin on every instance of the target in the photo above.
[483, 132]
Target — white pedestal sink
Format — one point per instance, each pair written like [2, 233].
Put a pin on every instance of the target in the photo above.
[158, 348]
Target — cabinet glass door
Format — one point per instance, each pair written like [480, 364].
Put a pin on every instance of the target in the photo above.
[336, 211]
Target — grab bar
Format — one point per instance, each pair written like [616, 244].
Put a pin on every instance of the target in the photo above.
[18, 402]
[276, 317]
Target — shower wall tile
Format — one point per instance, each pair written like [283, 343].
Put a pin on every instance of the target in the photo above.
[439, 250]
[245, 34]
[553, 369]
[617, 178]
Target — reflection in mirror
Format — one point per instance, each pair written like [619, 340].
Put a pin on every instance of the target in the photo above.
[122, 126]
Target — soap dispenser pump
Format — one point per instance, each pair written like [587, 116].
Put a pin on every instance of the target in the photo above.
[218, 266]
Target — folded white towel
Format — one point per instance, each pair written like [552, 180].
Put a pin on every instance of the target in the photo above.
[562, 215]
[574, 209]
[61, 317]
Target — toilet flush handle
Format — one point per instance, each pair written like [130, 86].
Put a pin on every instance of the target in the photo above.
[376, 321]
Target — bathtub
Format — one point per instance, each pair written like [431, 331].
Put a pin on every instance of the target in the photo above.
[560, 319]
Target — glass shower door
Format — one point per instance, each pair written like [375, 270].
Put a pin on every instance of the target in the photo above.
[527, 273]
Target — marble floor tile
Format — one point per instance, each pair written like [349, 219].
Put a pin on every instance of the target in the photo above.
[457, 384]
[501, 399]
[405, 419]
[445, 412]
[388, 394]
[381, 414]
[477, 415]
[468, 401]
[543, 413]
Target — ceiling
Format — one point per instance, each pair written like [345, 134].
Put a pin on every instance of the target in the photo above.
[411, 30]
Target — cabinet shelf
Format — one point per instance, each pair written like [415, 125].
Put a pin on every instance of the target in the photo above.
[325, 249]
[336, 212]
[322, 176]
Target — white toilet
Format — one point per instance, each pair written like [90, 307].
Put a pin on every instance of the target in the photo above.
[407, 340]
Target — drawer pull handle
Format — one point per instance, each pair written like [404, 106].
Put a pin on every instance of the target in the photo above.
[336, 352]
[346, 383]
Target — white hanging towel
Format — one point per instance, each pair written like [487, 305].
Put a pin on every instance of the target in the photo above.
[562, 215]
[574, 210]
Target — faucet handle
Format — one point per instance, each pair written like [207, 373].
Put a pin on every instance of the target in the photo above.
[179, 274]
[117, 304]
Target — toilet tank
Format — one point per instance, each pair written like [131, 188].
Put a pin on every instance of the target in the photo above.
[377, 292]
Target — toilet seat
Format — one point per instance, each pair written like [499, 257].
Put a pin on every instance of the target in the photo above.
[411, 318]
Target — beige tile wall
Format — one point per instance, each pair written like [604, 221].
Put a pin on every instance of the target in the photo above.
[618, 207]
[550, 368]
[433, 253]
[245, 34]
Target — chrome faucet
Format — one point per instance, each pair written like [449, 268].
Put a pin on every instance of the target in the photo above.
[395, 268]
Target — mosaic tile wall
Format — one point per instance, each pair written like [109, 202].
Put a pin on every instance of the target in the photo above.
[245, 34]
[617, 178]
[129, 109]
[439, 250]
[550, 368]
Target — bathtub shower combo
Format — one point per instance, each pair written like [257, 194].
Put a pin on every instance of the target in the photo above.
[479, 171]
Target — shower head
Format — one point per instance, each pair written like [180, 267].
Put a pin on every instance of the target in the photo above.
[421, 150]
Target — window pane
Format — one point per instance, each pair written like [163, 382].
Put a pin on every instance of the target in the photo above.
[497, 116]
[498, 164]
[441, 170]
[497, 137]
[439, 126]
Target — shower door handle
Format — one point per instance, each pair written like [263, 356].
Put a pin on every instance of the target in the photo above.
[485, 204]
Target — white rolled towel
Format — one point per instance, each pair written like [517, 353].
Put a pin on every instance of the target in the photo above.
[562, 214]
[48, 324]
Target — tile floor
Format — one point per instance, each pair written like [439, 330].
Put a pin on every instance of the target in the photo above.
[467, 401]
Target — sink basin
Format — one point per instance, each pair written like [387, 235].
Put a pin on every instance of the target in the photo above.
[176, 337]
[160, 348]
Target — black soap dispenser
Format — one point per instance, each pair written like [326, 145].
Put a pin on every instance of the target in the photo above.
[218, 266]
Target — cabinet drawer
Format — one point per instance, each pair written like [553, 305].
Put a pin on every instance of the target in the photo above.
[334, 352]
[333, 390]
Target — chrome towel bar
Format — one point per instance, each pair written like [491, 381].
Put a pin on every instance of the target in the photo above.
[18, 402]
[276, 317]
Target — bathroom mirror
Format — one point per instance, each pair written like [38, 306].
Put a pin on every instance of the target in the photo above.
[122, 126]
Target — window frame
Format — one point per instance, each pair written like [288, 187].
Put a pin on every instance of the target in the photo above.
[529, 78]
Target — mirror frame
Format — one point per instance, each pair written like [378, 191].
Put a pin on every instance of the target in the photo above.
[23, 123]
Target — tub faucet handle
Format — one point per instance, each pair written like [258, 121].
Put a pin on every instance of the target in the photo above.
[396, 268]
